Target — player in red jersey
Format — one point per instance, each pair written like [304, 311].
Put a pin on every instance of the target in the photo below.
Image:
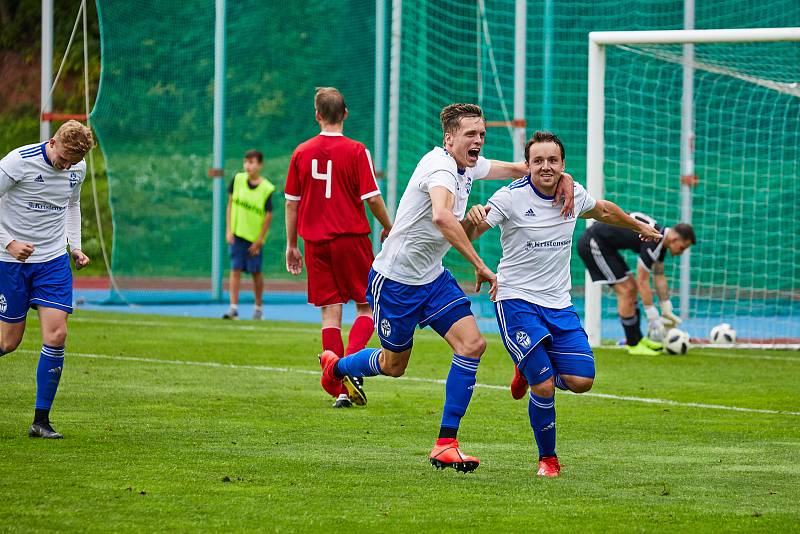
[330, 177]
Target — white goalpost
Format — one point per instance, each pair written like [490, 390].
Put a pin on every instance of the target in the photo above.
[755, 96]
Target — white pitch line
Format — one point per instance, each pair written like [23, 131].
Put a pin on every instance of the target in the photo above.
[229, 325]
[266, 328]
[265, 368]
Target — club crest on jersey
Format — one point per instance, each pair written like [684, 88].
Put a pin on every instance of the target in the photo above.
[386, 328]
[468, 185]
[523, 340]
[3, 303]
[73, 179]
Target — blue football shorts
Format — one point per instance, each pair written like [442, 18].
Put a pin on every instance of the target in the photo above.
[399, 308]
[25, 285]
[524, 325]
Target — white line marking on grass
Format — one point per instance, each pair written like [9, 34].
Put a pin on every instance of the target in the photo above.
[219, 365]
[228, 325]
[266, 328]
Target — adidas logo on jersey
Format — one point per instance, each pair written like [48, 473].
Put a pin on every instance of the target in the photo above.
[529, 213]
[39, 179]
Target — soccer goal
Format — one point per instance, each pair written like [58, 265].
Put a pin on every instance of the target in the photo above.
[703, 126]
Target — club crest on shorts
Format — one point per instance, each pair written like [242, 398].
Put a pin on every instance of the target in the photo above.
[3, 303]
[523, 340]
[386, 328]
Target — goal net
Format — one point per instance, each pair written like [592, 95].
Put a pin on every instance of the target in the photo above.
[746, 150]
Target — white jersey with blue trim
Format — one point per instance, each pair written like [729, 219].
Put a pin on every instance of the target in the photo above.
[537, 243]
[413, 252]
[34, 200]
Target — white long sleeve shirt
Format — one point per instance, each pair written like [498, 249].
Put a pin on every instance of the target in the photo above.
[39, 204]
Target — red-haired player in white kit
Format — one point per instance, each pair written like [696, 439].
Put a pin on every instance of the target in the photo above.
[330, 177]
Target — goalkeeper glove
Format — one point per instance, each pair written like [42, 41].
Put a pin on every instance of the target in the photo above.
[670, 319]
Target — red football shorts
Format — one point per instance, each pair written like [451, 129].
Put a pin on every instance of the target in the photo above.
[338, 269]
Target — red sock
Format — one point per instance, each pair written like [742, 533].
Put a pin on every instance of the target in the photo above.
[332, 340]
[360, 334]
[444, 441]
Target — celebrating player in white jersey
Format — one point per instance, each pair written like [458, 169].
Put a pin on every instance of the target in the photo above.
[40, 214]
[408, 286]
[538, 324]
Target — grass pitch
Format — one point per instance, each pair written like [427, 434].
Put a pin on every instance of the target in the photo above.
[203, 425]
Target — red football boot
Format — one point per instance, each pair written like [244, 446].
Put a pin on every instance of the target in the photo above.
[329, 382]
[450, 455]
[549, 467]
[519, 385]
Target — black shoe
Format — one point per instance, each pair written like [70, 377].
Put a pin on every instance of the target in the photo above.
[231, 314]
[343, 402]
[354, 390]
[43, 430]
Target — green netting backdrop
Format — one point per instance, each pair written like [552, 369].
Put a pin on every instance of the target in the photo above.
[154, 112]
[154, 109]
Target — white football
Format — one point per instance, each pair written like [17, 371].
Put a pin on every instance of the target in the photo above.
[722, 334]
[676, 341]
[656, 331]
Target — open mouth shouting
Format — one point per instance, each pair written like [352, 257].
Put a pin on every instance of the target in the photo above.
[472, 156]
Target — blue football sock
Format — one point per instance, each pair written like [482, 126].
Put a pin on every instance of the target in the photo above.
[362, 363]
[542, 413]
[458, 390]
[48, 373]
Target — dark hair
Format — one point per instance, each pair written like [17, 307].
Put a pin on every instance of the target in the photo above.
[254, 154]
[329, 103]
[543, 137]
[686, 232]
[451, 115]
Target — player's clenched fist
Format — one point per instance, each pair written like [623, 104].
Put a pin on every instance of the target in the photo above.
[21, 251]
[81, 259]
[477, 214]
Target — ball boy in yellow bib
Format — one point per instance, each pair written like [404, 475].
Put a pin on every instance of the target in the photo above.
[247, 222]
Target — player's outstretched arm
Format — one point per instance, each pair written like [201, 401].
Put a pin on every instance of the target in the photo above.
[442, 202]
[378, 209]
[609, 213]
[503, 170]
[474, 223]
[294, 260]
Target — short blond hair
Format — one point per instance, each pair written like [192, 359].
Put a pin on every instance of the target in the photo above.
[76, 138]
